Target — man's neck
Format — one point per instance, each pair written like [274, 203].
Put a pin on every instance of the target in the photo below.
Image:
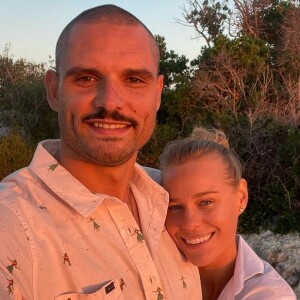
[112, 181]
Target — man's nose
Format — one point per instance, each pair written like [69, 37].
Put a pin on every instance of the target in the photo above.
[108, 96]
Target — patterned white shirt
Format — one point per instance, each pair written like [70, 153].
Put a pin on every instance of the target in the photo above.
[61, 241]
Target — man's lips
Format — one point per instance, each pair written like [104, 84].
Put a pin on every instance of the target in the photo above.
[108, 126]
[110, 118]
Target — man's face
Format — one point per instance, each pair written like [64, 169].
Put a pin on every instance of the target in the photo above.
[108, 92]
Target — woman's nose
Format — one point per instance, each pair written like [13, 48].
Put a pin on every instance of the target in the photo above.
[191, 220]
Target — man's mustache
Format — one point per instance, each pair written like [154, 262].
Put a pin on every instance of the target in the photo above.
[114, 115]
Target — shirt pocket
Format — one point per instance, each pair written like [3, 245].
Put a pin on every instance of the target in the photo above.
[110, 291]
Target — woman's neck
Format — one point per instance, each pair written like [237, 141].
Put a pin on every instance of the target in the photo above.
[213, 281]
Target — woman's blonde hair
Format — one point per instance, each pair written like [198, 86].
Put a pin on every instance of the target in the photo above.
[203, 142]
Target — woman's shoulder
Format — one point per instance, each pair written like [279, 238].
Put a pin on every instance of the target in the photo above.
[259, 279]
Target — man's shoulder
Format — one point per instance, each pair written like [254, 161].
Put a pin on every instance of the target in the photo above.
[11, 199]
[155, 174]
[9, 184]
[10, 193]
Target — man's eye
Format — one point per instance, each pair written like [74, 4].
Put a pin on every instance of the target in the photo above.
[134, 80]
[85, 78]
[85, 81]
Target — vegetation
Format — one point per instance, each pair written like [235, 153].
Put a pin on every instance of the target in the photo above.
[14, 154]
[23, 102]
[246, 81]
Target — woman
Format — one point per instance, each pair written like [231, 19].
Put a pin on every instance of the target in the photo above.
[207, 195]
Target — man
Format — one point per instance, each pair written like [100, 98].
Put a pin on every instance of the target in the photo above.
[83, 220]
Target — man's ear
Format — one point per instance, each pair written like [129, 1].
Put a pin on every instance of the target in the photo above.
[159, 87]
[51, 82]
[243, 195]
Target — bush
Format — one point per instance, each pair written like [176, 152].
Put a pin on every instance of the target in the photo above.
[23, 101]
[27, 111]
[149, 154]
[14, 154]
[270, 155]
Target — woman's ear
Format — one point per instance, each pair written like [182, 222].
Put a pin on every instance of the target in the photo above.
[243, 195]
[51, 82]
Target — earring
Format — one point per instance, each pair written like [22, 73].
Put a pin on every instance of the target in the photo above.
[242, 208]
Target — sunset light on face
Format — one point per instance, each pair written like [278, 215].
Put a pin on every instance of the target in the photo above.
[203, 211]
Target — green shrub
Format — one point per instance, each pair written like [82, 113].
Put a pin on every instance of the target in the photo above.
[14, 154]
[149, 154]
[270, 153]
[23, 101]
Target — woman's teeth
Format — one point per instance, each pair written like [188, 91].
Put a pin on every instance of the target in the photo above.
[198, 240]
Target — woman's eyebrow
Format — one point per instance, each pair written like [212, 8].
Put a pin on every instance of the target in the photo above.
[198, 195]
[173, 199]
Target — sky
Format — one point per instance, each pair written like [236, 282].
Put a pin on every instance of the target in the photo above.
[32, 27]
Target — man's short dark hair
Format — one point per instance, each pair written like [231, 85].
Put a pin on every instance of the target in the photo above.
[101, 14]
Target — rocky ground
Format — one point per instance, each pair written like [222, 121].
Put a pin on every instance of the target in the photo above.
[282, 252]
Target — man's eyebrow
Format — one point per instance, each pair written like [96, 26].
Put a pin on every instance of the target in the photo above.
[128, 72]
[81, 70]
[139, 72]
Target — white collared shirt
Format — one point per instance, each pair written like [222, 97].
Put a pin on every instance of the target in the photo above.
[58, 240]
[255, 279]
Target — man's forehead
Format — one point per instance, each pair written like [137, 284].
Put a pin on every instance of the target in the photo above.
[104, 27]
[108, 38]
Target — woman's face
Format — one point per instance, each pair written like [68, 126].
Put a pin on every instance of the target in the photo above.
[203, 210]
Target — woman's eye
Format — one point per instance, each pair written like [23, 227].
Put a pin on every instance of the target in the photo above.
[174, 207]
[205, 202]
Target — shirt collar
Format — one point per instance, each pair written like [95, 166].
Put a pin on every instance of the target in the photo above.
[247, 265]
[152, 202]
[60, 181]
[68, 188]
